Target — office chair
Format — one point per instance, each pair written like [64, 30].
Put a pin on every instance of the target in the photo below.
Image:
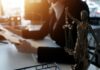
[94, 49]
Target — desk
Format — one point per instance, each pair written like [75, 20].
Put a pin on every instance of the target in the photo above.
[11, 59]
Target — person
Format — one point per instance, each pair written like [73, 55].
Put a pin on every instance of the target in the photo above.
[53, 27]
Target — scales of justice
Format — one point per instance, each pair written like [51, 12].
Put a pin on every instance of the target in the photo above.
[80, 49]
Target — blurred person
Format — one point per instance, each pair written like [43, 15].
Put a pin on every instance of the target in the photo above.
[54, 27]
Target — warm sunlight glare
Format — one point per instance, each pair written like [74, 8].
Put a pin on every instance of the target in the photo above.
[13, 7]
[35, 1]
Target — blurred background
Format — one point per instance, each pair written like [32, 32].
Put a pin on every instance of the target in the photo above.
[37, 10]
[34, 10]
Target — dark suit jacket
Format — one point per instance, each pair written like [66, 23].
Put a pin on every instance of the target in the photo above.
[47, 54]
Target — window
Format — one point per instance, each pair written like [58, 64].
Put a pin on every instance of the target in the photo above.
[35, 1]
[94, 7]
[13, 7]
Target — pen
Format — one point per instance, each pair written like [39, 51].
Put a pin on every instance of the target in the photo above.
[3, 42]
[40, 67]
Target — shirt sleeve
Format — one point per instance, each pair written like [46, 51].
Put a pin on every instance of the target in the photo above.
[39, 34]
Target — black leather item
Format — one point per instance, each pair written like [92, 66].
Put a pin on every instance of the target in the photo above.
[57, 55]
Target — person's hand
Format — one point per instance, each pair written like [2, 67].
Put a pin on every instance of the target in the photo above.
[25, 47]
